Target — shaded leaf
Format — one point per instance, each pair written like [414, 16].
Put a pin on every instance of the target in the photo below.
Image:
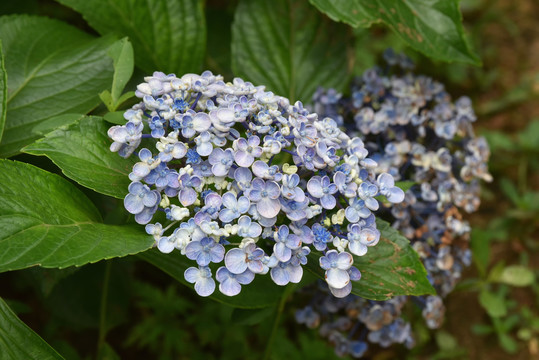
[288, 47]
[167, 35]
[389, 269]
[81, 150]
[53, 69]
[433, 27]
[494, 304]
[47, 221]
[516, 275]
[18, 341]
[3, 91]
[262, 292]
[121, 53]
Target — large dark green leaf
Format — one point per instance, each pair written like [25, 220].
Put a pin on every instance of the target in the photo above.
[81, 150]
[18, 341]
[3, 92]
[167, 35]
[433, 27]
[262, 292]
[53, 69]
[289, 47]
[45, 220]
[389, 269]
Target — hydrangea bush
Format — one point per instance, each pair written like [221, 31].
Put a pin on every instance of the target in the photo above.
[414, 131]
[248, 181]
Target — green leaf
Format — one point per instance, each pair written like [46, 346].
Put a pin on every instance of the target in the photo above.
[405, 185]
[261, 293]
[480, 246]
[433, 27]
[47, 221]
[116, 117]
[18, 341]
[81, 150]
[121, 53]
[389, 269]
[516, 275]
[3, 91]
[167, 35]
[288, 47]
[46, 126]
[494, 304]
[53, 69]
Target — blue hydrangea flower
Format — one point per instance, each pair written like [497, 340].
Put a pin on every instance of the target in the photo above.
[323, 189]
[234, 208]
[205, 251]
[201, 277]
[230, 283]
[250, 257]
[285, 243]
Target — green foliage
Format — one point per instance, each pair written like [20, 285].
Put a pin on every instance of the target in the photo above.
[53, 69]
[261, 293]
[167, 35]
[81, 150]
[289, 47]
[389, 269]
[434, 28]
[47, 221]
[3, 91]
[121, 53]
[18, 341]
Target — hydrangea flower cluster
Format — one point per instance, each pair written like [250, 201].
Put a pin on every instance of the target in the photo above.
[243, 178]
[416, 133]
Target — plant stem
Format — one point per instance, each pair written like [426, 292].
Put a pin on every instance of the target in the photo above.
[280, 309]
[103, 309]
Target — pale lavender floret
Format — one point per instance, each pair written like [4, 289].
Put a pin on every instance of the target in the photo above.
[212, 205]
[142, 168]
[356, 147]
[265, 195]
[348, 189]
[323, 189]
[247, 150]
[388, 188]
[234, 208]
[367, 192]
[328, 155]
[300, 255]
[286, 272]
[205, 251]
[187, 194]
[159, 176]
[285, 243]
[295, 210]
[126, 138]
[157, 124]
[140, 196]
[250, 257]
[243, 177]
[360, 238]
[303, 231]
[248, 228]
[155, 230]
[166, 244]
[230, 284]
[336, 266]
[201, 277]
[204, 144]
[202, 169]
[192, 123]
[264, 171]
[221, 161]
[172, 151]
[308, 157]
[266, 222]
[290, 189]
[306, 134]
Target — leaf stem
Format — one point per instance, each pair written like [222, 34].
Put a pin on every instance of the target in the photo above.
[103, 308]
[277, 320]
